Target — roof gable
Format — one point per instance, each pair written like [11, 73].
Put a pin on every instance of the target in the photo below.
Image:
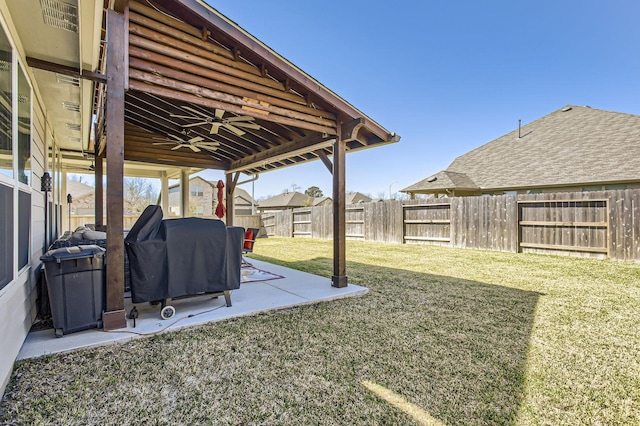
[571, 145]
[287, 199]
[574, 145]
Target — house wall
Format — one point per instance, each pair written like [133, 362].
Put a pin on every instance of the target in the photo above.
[17, 298]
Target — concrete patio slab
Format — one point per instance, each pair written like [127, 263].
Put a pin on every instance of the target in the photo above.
[294, 289]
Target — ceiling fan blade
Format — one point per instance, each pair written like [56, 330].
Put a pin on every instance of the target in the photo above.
[186, 117]
[248, 125]
[209, 148]
[240, 118]
[196, 139]
[163, 143]
[214, 128]
[219, 113]
[178, 138]
[208, 143]
[234, 129]
[193, 124]
[194, 148]
[176, 147]
[188, 108]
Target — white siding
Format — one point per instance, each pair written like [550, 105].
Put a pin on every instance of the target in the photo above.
[17, 299]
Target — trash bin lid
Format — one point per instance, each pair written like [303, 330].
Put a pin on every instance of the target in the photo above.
[75, 252]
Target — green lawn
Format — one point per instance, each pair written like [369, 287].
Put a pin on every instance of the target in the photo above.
[454, 336]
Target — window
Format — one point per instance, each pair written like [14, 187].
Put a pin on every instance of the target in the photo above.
[199, 211]
[6, 235]
[24, 128]
[24, 226]
[615, 187]
[591, 188]
[6, 94]
[197, 191]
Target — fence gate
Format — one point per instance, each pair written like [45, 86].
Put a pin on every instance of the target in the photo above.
[302, 223]
[580, 226]
[354, 218]
[269, 223]
[427, 223]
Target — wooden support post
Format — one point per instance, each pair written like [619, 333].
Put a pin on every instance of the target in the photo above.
[99, 200]
[164, 197]
[185, 192]
[229, 187]
[339, 278]
[114, 316]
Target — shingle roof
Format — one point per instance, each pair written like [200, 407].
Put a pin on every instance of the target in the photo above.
[573, 145]
[78, 189]
[444, 180]
[287, 199]
[356, 197]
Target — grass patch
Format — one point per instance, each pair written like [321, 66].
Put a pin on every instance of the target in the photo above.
[461, 336]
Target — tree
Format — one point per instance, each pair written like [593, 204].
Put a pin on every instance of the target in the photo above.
[140, 193]
[313, 191]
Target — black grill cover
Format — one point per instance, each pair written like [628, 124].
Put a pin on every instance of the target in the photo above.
[181, 257]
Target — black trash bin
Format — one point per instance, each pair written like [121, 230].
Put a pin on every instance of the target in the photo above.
[75, 281]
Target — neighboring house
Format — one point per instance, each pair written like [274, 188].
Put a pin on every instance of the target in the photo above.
[203, 199]
[322, 201]
[243, 203]
[357, 197]
[286, 200]
[575, 148]
[84, 200]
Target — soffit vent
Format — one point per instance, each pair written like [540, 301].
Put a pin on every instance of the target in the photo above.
[74, 139]
[73, 126]
[67, 79]
[23, 99]
[70, 106]
[60, 15]
[5, 66]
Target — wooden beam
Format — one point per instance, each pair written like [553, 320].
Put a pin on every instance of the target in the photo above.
[159, 43]
[339, 278]
[198, 99]
[166, 162]
[325, 160]
[350, 130]
[65, 70]
[127, 16]
[99, 201]
[221, 80]
[229, 187]
[223, 55]
[168, 20]
[188, 73]
[307, 144]
[114, 315]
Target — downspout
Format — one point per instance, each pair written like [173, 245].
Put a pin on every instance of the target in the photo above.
[252, 180]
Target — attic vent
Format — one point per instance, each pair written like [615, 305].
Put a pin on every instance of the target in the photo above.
[567, 109]
[60, 15]
[70, 106]
[67, 79]
[5, 66]
[23, 99]
[432, 179]
[73, 126]
[74, 139]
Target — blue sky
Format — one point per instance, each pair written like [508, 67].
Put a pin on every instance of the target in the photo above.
[446, 75]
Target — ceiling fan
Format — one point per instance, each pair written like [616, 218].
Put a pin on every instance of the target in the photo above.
[194, 143]
[218, 120]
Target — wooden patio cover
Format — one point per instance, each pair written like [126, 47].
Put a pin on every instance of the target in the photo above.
[177, 70]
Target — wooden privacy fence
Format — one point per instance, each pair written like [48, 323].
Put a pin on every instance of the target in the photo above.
[602, 224]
